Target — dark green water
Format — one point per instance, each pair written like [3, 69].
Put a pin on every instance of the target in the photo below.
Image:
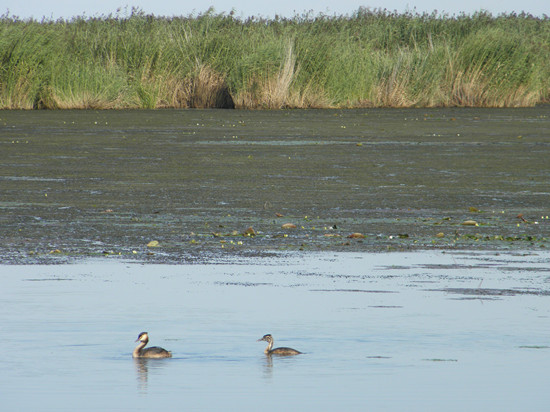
[85, 183]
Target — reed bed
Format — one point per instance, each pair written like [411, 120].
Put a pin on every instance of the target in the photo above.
[371, 58]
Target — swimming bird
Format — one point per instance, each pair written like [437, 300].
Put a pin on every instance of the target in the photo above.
[277, 351]
[152, 352]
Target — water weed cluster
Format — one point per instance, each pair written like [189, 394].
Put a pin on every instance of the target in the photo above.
[371, 58]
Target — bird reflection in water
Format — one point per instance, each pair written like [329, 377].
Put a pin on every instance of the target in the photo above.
[142, 373]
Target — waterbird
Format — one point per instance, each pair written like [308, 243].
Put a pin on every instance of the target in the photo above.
[277, 351]
[152, 352]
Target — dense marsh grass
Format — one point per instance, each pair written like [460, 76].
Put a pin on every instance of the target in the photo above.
[367, 59]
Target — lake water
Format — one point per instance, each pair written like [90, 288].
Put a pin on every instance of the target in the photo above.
[420, 331]
[457, 320]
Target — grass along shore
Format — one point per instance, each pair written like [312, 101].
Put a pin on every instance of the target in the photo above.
[367, 59]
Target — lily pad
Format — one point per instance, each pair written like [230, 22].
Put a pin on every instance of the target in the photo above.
[288, 226]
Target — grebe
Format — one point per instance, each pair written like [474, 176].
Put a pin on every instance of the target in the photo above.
[152, 352]
[277, 351]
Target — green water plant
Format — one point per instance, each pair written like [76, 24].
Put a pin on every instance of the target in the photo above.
[370, 58]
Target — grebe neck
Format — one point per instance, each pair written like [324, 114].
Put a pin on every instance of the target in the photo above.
[138, 349]
[269, 346]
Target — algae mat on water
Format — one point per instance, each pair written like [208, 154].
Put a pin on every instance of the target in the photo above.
[179, 185]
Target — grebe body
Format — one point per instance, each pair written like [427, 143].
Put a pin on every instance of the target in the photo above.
[152, 352]
[277, 351]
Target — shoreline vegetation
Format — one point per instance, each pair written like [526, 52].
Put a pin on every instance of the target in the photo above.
[371, 58]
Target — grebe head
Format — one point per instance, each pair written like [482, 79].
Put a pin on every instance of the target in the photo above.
[267, 338]
[143, 337]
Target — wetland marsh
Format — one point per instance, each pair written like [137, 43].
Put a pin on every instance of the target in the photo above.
[171, 222]
[81, 184]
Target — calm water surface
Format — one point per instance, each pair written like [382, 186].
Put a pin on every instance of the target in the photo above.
[389, 331]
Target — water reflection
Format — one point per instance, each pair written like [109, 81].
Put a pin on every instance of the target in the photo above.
[142, 372]
[267, 366]
[143, 367]
[270, 363]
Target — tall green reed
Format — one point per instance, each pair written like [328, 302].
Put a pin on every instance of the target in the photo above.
[369, 58]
